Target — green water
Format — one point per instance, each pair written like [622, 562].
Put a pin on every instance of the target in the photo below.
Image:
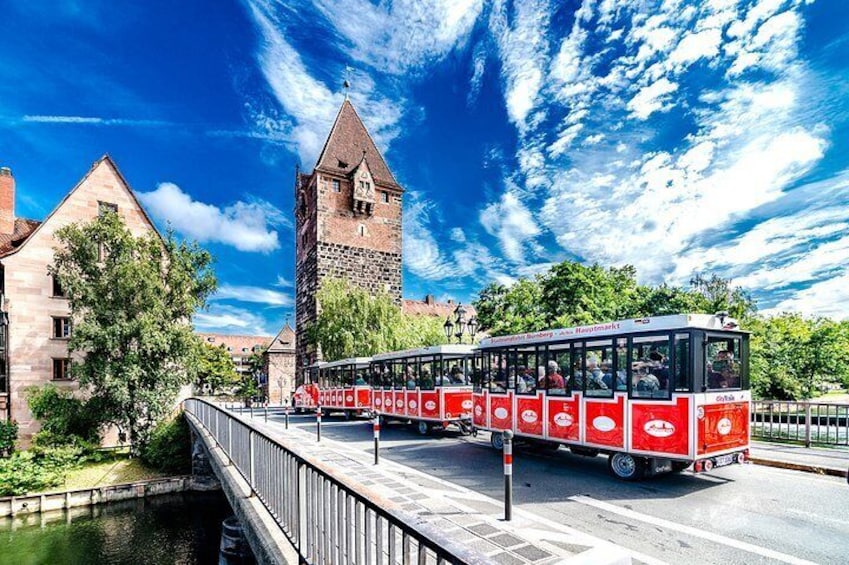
[178, 528]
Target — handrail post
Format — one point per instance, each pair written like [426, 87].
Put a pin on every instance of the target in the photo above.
[251, 459]
[318, 423]
[508, 474]
[376, 437]
[807, 424]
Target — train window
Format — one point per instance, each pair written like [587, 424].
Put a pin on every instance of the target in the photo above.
[598, 374]
[411, 371]
[554, 373]
[621, 383]
[497, 372]
[526, 370]
[456, 371]
[347, 375]
[683, 375]
[363, 377]
[398, 378]
[386, 375]
[429, 373]
[722, 363]
[650, 366]
[481, 365]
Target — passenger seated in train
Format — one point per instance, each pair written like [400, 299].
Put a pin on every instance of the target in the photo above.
[426, 379]
[411, 379]
[645, 383]
[360, 381]
[443, 380]
[659, 367]
[457, 377]
[723, 372]
[595, 376]
[553, 379]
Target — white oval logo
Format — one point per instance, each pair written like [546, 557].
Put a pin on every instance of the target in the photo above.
[563, 419]
[700, 412]
[467, 405]
[350, 398]
[500, 413]
[659, 428]
[529, 416]
[478, 410]
[603, 423]
[723, 427]
[430, 405]
[378, 401]
[412, 404]
[399, 403]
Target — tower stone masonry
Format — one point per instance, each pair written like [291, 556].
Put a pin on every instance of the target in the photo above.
[348, 223]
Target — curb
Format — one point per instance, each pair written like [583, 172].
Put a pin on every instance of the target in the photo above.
[819, 470]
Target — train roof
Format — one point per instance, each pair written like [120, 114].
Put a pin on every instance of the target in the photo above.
[635, 325]
[450, 349]
[358, 361]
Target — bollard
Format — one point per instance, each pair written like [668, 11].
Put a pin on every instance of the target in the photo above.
[286, 416]
[508, 475]
[252, 409]
[266, 410]
[376, 438]
[318, 423]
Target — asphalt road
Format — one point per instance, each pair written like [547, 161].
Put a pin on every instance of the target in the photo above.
[737, 514]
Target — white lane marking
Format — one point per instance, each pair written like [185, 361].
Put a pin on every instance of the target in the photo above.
[710, 536]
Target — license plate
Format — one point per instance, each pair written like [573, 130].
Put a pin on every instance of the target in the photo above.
[724, 460]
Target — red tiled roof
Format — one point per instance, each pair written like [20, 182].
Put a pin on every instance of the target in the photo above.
[283, 341]
[236, 342]
[23, 229]
[432, 308]
[345, 145]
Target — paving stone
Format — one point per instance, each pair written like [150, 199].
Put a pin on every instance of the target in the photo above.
[506, 540]
[507, 558]
[459, 534]
[573, 548]
[483, 546]
[399, 499]
[532, 553]
[483, 529]
[484, 506]
[465, 519]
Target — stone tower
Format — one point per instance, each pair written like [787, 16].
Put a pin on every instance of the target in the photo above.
[348, 222]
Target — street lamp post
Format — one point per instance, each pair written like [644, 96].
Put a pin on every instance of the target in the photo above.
[460, 326]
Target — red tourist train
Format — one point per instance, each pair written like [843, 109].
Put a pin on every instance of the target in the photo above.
[656, 394]
[305, 397]
[429, 386]
[343, 386]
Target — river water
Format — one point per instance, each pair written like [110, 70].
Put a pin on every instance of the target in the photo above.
[177, 528]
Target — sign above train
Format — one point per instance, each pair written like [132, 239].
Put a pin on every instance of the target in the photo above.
[717, 322]
[448, 349]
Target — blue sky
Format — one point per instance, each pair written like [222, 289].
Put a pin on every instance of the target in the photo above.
[674, 136]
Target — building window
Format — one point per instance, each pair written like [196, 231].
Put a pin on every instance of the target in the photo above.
[104, 207]
[58, 291]
[61, 328]
[362, 230]
[61, 369]
[244, 350]
[337, 187]
[385, 196]
[210, 339]
[229, 348]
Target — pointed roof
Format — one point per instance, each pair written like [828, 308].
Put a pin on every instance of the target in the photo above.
[30, 227]
[344, 147]
[284, 341]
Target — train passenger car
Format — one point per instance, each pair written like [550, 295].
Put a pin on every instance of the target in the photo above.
[305, 398]
[343, 386]
[430, 386]
[655, 394]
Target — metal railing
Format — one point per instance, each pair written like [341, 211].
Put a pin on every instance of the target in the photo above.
[327, 520]
[808, 422]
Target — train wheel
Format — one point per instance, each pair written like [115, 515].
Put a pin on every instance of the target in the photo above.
[423, 428]
[626, 467]
[496, 440]
[678, 466]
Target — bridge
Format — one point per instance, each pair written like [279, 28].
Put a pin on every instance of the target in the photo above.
[438, 499]
[301, 500]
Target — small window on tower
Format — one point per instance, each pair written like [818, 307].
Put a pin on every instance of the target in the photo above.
[385, 197]
[336, 186]
[362, 230]
[58, 291]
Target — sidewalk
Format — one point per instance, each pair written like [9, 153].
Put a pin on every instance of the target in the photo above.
[825, 461]
[466, 516]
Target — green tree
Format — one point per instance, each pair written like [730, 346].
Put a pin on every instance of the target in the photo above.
[504, 310]
[354, 323]
[215, 368]
[132, 300]
[65, 418]
[714, 294]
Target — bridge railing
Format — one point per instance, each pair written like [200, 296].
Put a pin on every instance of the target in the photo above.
[820, 423]
[327, 519]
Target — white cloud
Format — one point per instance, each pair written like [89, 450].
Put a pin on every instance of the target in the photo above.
[695, 46]
[513, 224]
[247, 226]
[652, 98]
[253, 294]
[283, 282]
[91, 120]
[222, 318]
[829, 297]
[422, 255]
